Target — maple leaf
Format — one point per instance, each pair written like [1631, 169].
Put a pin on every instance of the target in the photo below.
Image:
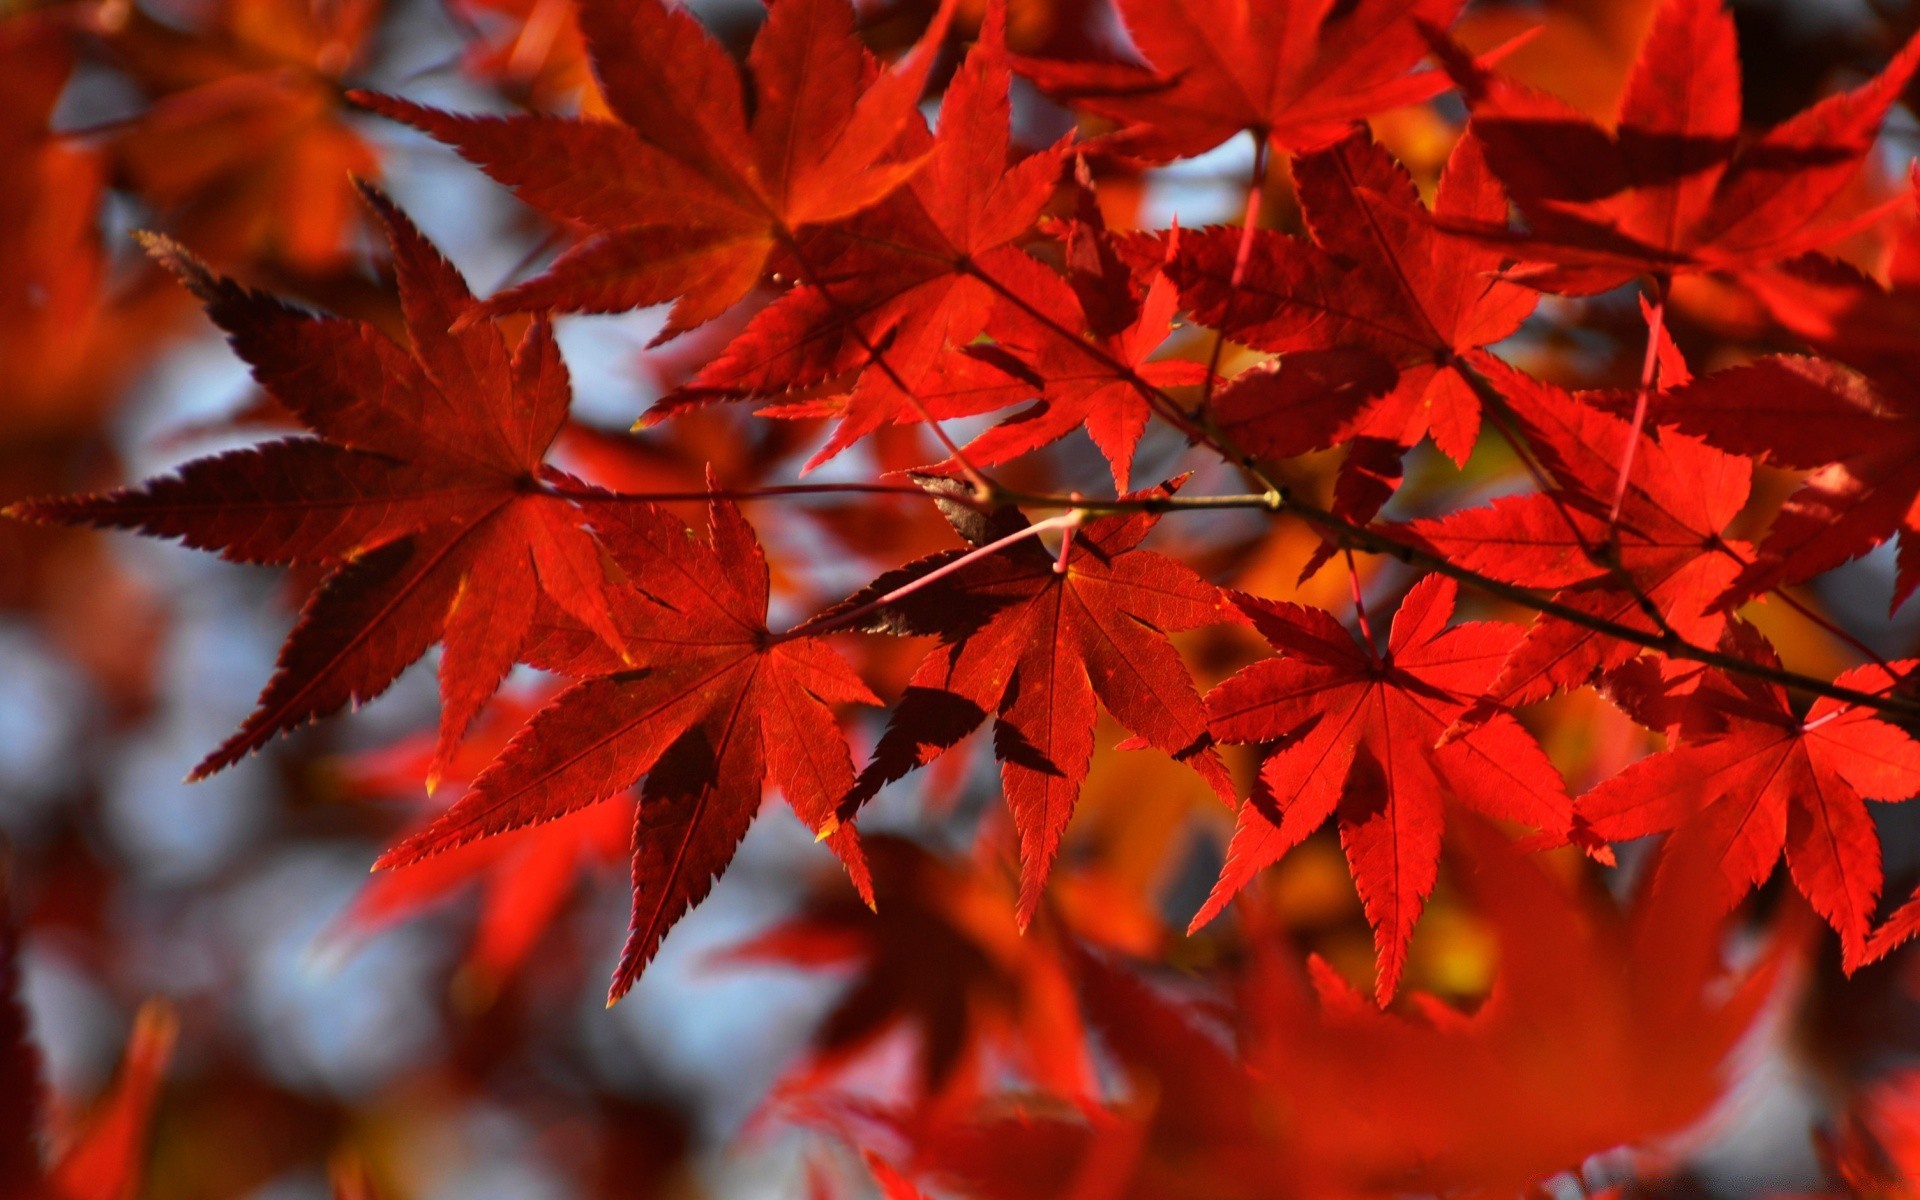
[104, 1154]
[1669, 188]
[1859, 434]
[1663, 558]
[1875, 1148]
[1297, 73]
[685, 194]
[1103, 392]
[1759, 781]
[425, 492]
[530, 49]
[245, 145]
[1377, 317]
[1034, 646]
[911, 278]
[716, 705]
[1357, 736]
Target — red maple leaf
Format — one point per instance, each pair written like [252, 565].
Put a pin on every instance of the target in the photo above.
[1357, 735]
[1669, 188]
[1298, 73]
[1750, 781]
[911, 278]
[425, 493]
[1663, 557]
[686, 194]
[1377, 316]
[1034, 646]
[1099, 384]
[1859, 434]
[717, 705]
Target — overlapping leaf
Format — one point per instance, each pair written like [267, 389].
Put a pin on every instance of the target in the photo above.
[912, 278]
[687, 194]
[1661, 565]
[1377, 316]
[1100, 384]
[1298, 73]
[1858, 434]
[938, 959]
[1310, 1091]
[1671, 187]
[524, 877]
[245, 146]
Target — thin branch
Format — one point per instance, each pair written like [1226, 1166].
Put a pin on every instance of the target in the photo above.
[1365, 539]
[735, 494]
[1068, 522]
[1368, 540]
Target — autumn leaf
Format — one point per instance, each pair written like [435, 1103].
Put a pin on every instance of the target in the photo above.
[1033, 647]
[71, 331]
[1279, 1081]
[1660, 565]
[1354, 735]
[716, 705]
[524, 877]
[1297, 73]
[1671, 188]
[937, 958]
[1761, 782]
[101, 1153]
[103, 1157]
[686, 195]
[1859, 435]
[1101, 386]
[425, 493]
[1379, 318]
[891, 291]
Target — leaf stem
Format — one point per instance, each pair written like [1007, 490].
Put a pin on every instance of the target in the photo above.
[1649, 378]
[1359, 600]
[1250, 220]
[1067, 521]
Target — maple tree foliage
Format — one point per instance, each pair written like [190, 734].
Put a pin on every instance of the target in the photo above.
[1503, 584]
